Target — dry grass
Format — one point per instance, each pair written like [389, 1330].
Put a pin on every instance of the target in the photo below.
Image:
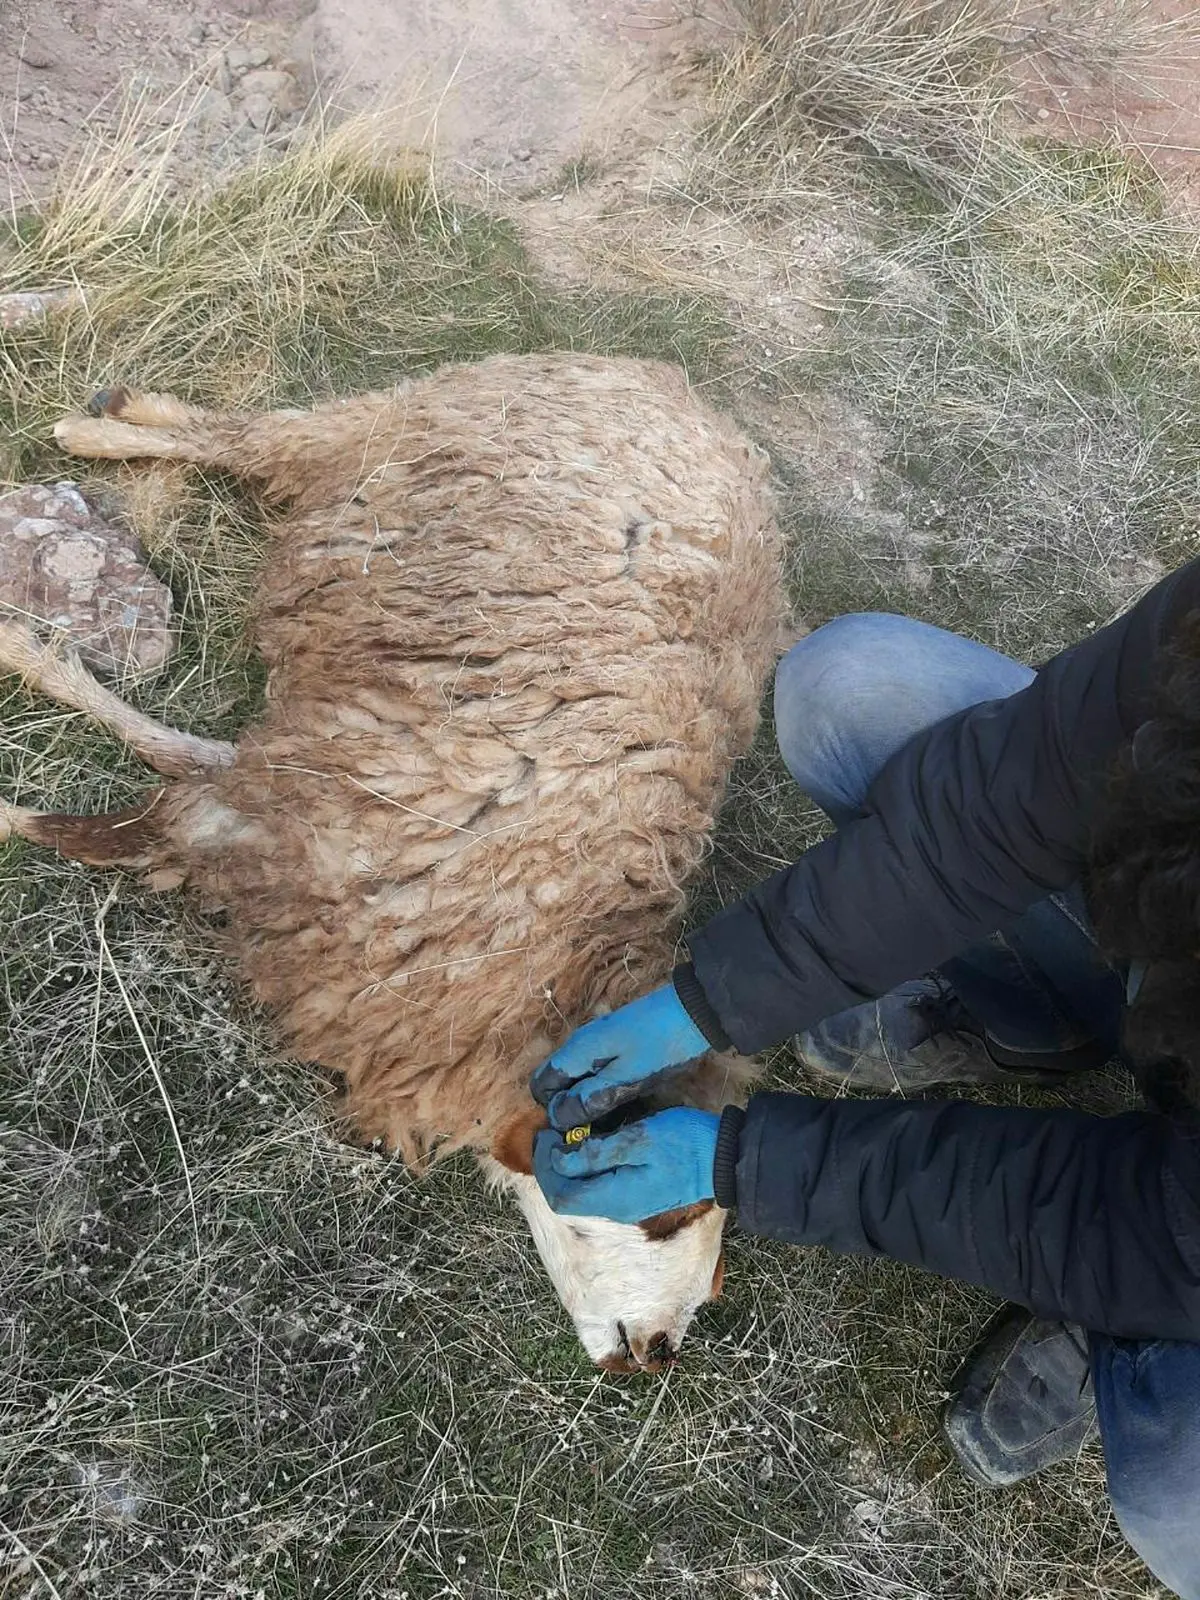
[1012, 324]
[928, 87]
[246, 1361]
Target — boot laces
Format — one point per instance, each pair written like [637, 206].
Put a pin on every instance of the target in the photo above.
[942, 1012]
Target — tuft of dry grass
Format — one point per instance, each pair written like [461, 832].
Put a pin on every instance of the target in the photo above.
[928, 88]
[240, 1360]
[1006, 335]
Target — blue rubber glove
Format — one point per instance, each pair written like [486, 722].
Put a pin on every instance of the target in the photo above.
[609, 1061]
[655, 1164]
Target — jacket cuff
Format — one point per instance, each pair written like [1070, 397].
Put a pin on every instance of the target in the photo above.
[729, 1138]
[698, 1006]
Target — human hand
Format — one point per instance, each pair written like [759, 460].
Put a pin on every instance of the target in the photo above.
[609, 1061]
[656, 1164]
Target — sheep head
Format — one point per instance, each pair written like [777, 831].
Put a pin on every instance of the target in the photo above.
[631, 1290]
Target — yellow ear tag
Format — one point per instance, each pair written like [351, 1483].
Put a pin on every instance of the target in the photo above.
[577, 1135]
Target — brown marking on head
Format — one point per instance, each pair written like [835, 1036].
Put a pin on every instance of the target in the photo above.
[668, 1223]
[656, 1353]
[618, 1363]
[513, 1145]
[718, 1281]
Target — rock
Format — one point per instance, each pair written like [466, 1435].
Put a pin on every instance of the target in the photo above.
[65, 571]
[34, 304]
[242, 57]
[210, 109]
[280, 88]
[46, 159]
[197, 33]
[244, 144]
[258, 111]
[35, 53]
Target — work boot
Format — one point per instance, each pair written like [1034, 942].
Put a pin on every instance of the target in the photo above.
[917, 1037]
[1022, 1400]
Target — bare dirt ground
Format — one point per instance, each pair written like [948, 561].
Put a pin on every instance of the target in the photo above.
[65, 68]
[1157, 113]
[507, 90]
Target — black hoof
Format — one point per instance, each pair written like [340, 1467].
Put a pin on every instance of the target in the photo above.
[107, 402]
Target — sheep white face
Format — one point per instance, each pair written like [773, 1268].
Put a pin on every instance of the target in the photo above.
[631, 1296]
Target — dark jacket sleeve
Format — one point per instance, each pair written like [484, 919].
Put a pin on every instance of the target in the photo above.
[1084, 1219]
[964, 829]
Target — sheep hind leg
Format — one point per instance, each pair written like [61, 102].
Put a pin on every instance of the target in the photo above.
[64, 678]
[122, 424]
[128, 838]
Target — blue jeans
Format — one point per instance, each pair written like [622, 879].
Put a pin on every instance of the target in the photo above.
[846, 699]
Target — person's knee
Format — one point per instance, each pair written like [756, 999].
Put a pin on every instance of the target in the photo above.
[853, 643]
[851, 694]
[837, 696]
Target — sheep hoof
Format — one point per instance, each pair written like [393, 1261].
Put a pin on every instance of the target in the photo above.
[108, 402]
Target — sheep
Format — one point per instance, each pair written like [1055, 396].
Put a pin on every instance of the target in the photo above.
[517, 618]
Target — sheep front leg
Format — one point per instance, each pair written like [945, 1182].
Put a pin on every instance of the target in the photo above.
[65, 679]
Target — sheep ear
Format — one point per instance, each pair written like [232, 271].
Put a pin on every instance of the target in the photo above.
[513, 1145]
